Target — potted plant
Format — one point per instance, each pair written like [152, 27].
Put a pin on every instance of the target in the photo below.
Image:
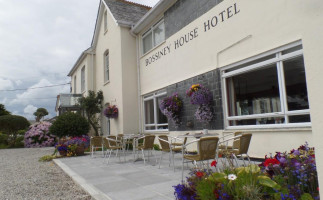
[171, 107]
[111, 111]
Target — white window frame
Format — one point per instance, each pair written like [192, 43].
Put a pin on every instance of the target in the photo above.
[151, 30]
[83, 79]
[278, 60]
[153, 97]
[106, 67]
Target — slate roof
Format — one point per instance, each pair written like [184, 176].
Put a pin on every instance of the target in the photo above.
[126, 12]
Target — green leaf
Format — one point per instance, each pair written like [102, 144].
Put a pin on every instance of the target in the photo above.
[266, 181]
[306, 196]
[217, 177]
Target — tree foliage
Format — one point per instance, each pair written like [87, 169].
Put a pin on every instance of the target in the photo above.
[12, 124]
[40, 113]
[69, 124]
[3, 110]
[92, 105]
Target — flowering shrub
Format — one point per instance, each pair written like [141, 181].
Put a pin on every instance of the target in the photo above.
[38, 135]
[286, 176]
[204, 114]
[294, 171]
[199, 95]
[171, 107]
[111, 112]
[84, 140]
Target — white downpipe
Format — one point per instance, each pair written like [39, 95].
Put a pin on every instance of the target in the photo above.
[139, 83]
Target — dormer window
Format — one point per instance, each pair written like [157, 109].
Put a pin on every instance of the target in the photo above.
[153, 37]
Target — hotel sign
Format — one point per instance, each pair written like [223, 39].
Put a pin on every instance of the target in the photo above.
[211, 23]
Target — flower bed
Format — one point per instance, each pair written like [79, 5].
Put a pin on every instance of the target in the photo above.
[286, 176]
[74, 146]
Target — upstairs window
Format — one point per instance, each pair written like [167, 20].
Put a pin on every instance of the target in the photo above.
[268, 91]
[154, 118]
[83, 79]
[105, 20]
[106, 67]
[153, 37]
[74, 85]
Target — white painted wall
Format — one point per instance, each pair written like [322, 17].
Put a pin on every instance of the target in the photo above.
[260, 26]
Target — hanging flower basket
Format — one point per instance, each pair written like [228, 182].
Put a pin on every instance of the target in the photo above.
[171, 107]
[199, 95]
[111, 112]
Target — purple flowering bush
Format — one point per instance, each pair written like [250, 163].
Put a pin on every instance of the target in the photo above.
[38, 135]
[171, 107]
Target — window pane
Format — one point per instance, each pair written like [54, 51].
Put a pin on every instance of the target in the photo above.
[162, 127]
[299, 47]
[260, 121]
[150, 128]
[254, 92]
[149, 112]
[299, 118]
[161, 118]
[147, 42]
[159, 34]
[106, 68]
[295, 82]
[262, 59]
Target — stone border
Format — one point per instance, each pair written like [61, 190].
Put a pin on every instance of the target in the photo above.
[89, 188]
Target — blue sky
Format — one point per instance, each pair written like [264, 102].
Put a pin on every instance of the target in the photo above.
[40, 42]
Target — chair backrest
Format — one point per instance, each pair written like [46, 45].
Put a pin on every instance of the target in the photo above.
[244, 143]
[96, 141]
[120, 136]
[185, 139]
[112, 143]
[207, 147]
[149, 141]
[106, 143]
[236, 143]
[164, 145]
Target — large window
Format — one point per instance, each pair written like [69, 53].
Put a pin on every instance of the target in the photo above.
[83, 79]
[154, 119]
[267, 91]
[153, 37]
[106, 68]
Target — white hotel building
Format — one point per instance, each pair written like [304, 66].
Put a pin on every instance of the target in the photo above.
[261, 60]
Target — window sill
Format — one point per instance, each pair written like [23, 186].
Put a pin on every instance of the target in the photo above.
[156, 131]
[285, 128]
[107, 82]
[154, 48]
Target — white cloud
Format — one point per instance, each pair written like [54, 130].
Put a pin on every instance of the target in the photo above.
[5, 84]
[30, 109]
[18, 82]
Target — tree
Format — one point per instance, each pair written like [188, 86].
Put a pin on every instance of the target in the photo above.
[12, 124]
[40, 113]
[69, 124]
[92, 105]
[3, 110]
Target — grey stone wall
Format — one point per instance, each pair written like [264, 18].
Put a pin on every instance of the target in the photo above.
[210, 80]
[184, 12]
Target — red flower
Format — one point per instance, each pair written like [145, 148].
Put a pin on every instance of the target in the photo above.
[271, 161]
[213, 163]
[199, 174]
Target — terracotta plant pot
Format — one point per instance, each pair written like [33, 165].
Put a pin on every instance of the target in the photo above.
[63, 153]
[79, 151]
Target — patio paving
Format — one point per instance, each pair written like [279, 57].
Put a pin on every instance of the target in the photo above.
[122, 180]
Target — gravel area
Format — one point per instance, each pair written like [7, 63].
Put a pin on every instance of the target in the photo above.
[22, 176]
